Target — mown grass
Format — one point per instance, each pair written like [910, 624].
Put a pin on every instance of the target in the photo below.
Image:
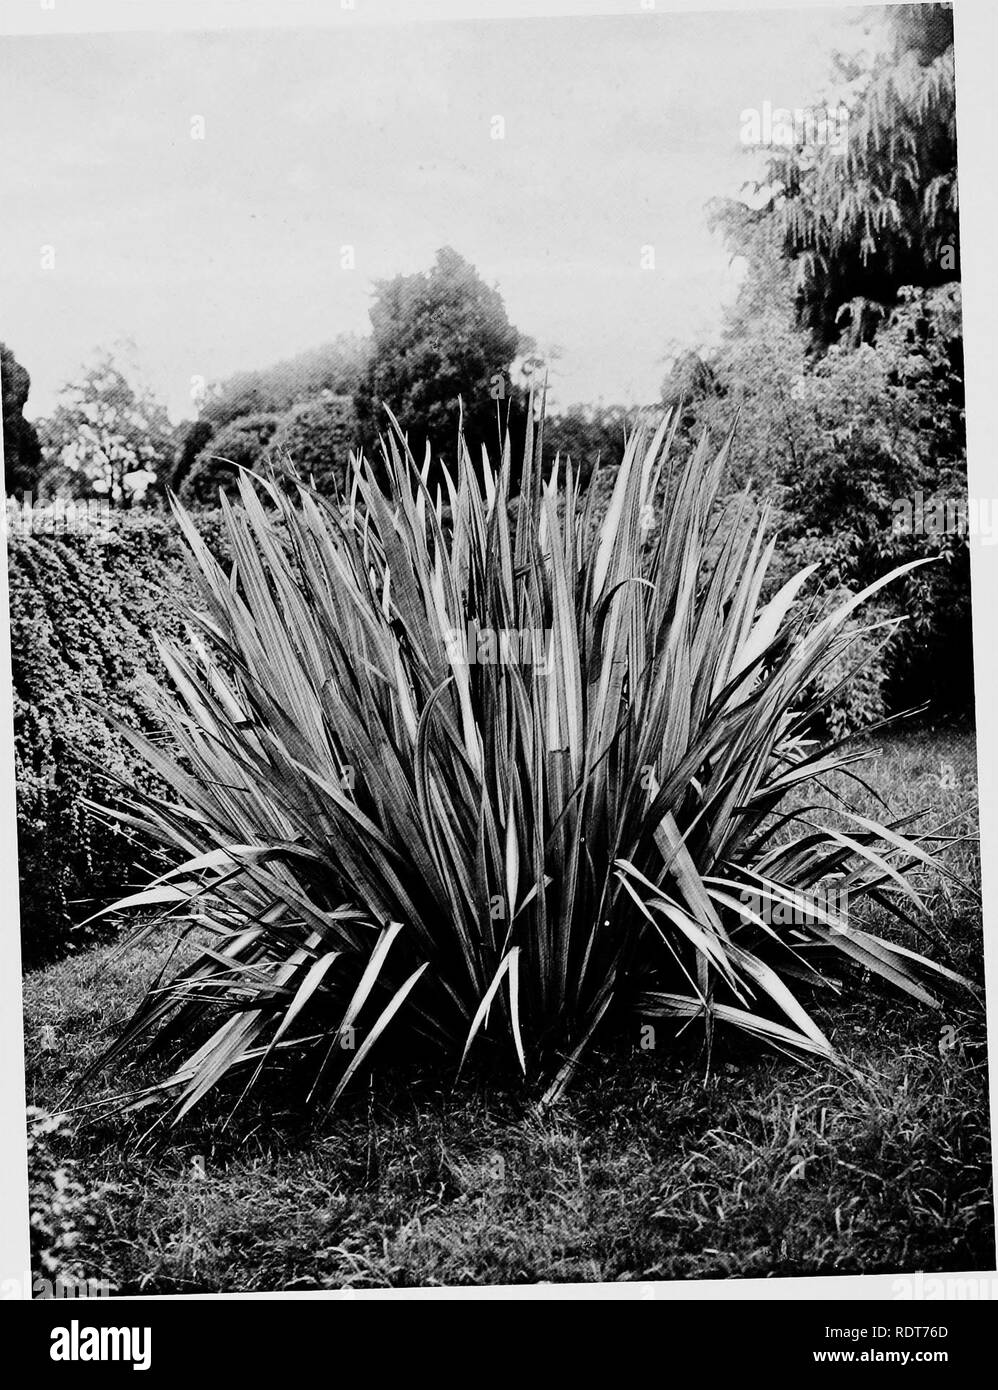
[646, 1170]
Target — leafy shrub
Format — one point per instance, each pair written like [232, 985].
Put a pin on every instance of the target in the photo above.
[83, 606]
[317, 437]
[585, 433]
[314, 438]
[245, 443]
[499, 854]
[63, 1213]
[192, 438]
[839, 446]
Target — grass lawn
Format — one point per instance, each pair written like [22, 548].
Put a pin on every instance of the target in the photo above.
[647, 1170]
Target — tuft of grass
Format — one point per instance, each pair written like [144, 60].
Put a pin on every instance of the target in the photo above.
[505, 861]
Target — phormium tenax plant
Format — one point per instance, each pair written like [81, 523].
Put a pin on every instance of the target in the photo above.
[394, 845]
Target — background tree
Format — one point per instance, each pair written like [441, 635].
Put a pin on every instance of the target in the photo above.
[21, 450]
[860, 224]
[438, 336]
[106, 437]
[842, 358]
[337, 368]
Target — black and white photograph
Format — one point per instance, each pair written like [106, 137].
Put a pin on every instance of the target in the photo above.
[492, 667]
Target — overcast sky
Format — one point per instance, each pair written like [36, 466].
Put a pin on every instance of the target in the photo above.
[225, 253]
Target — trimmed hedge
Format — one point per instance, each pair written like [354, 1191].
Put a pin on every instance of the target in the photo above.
[84, 607]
